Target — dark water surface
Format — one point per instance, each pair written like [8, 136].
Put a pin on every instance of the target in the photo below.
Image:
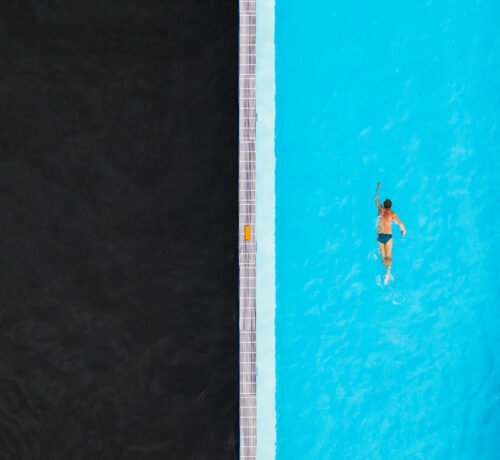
[118, 225]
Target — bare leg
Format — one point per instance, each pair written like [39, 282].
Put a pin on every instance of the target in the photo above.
[381, 248]
[388, 260]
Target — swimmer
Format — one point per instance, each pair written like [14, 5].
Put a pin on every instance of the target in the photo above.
[384, 237]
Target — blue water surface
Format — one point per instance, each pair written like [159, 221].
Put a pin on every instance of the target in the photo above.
[406, 93]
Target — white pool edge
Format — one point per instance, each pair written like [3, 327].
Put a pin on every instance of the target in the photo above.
[265, 231]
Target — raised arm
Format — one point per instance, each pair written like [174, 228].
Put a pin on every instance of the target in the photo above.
[396, 218]
[377, 201]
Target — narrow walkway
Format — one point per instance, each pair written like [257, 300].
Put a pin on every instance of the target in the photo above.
[247, 245]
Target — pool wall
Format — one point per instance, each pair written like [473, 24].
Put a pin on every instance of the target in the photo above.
[265, 232]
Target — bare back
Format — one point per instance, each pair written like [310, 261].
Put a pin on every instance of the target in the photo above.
[385, 220]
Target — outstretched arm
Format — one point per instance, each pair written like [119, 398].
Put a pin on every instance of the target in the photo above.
[377, 202]
[403, 229]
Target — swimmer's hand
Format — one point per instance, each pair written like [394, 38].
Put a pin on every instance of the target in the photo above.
[403, 233]
[379, 184]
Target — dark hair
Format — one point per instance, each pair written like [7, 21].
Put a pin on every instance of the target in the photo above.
[387, 204]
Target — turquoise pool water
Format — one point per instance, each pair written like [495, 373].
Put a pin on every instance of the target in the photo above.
[406, 93]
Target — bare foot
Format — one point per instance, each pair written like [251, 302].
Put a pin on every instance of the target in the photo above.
[386, 277]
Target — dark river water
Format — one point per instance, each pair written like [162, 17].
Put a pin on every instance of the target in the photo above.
[118, 230]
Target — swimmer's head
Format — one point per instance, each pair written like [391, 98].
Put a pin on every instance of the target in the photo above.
[387, 204]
